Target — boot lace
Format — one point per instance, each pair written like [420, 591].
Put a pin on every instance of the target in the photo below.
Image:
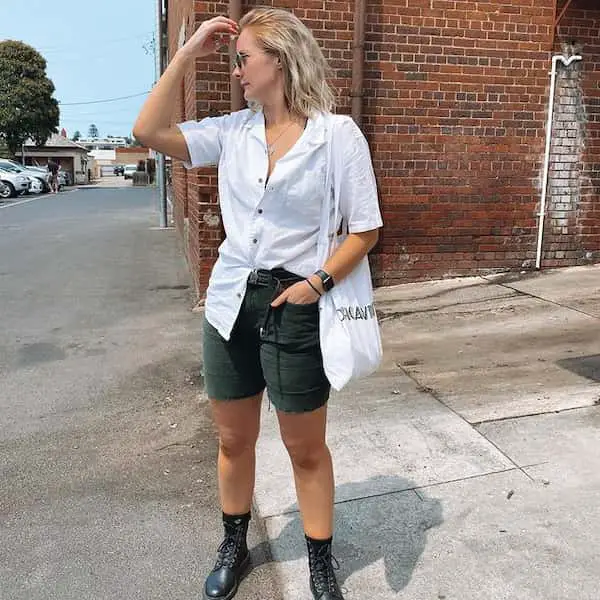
[323, 572]
[228, 551]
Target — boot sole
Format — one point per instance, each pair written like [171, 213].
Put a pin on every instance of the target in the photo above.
[246, 568]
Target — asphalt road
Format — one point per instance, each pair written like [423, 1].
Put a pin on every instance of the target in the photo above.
[107, 452]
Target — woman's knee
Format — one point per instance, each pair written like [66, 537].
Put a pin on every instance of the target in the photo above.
[236, 444]
[307, 456]
[238, 424]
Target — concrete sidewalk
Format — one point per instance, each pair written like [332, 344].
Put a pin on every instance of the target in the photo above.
[468, 467]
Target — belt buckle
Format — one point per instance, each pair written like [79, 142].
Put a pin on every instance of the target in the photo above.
[253, 277]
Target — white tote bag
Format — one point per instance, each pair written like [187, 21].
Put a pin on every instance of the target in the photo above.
[348, 331]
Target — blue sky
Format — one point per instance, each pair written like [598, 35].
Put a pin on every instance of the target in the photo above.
[94, 50]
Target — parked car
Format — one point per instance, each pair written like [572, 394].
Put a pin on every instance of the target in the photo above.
[37, 172]
[40, 173]
[119, 169]
[129, 170]
[37, 183]
[14, 183]
[64, 177]
[36, 186]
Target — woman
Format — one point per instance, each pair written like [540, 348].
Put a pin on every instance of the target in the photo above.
[261, 328]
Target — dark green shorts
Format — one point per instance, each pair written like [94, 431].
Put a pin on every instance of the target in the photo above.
[285, 358]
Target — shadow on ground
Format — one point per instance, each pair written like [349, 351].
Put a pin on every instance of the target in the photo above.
[584, 366]
[392, 527]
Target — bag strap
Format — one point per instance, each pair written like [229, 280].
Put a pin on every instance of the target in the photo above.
[328, 232]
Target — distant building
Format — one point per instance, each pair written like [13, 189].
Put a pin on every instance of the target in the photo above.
[131, 156]
[107, 143]
[71, 156]
[104, 161]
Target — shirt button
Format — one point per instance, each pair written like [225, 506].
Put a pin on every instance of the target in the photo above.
[260, 211]
[239, 295]
[260, 180]
[255, 241]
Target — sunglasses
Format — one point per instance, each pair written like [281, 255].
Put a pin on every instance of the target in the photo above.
[239, 60]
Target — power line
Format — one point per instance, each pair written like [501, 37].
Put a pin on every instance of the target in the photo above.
[102, 101]
[99, 122]
[60, 49]
[135, 53]
[75, 111]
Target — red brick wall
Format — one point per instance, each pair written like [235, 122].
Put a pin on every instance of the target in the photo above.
[457, 117]
[195, 206]
[178, 14]
[455, 102]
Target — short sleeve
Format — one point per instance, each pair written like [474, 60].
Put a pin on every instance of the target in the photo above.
[359, 203]
[204, 140]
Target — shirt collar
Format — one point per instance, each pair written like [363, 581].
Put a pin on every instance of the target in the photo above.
[315, 134]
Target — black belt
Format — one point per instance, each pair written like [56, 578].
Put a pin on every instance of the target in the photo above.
[273, 278]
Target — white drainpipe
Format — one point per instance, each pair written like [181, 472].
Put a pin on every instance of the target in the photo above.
[542, 213]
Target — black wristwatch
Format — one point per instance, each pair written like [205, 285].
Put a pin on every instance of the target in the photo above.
[326, 279]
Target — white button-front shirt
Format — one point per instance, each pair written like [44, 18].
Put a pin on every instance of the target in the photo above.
[275, 224]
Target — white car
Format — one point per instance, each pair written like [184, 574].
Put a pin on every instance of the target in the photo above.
[14, 183]
[129, 171]
[40, 173]
[36, 186]
[63, 176]
[33, 172]
[38, 180]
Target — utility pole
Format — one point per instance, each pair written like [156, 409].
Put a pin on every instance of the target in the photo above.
[161, 180]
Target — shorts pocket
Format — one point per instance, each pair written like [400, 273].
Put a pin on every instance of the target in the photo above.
[294, 327]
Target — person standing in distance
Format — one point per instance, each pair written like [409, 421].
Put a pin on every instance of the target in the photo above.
[53, 168]
[261, 326]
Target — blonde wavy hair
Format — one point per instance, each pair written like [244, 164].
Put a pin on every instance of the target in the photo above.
[305, 69]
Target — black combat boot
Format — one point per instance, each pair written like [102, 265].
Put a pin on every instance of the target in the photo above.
[233, 560]
[323, 584]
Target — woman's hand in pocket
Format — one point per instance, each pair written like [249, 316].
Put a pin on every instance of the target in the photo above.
[299, 293]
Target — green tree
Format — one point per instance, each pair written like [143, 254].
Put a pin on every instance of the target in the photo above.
[76, 136]
[93, 131]
[27, 108]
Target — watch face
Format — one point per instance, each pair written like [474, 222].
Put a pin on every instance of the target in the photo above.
[327, 280]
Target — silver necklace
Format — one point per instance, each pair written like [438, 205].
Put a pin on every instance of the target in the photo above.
[271, 146]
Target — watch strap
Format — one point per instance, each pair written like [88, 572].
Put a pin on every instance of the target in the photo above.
[326, 279]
